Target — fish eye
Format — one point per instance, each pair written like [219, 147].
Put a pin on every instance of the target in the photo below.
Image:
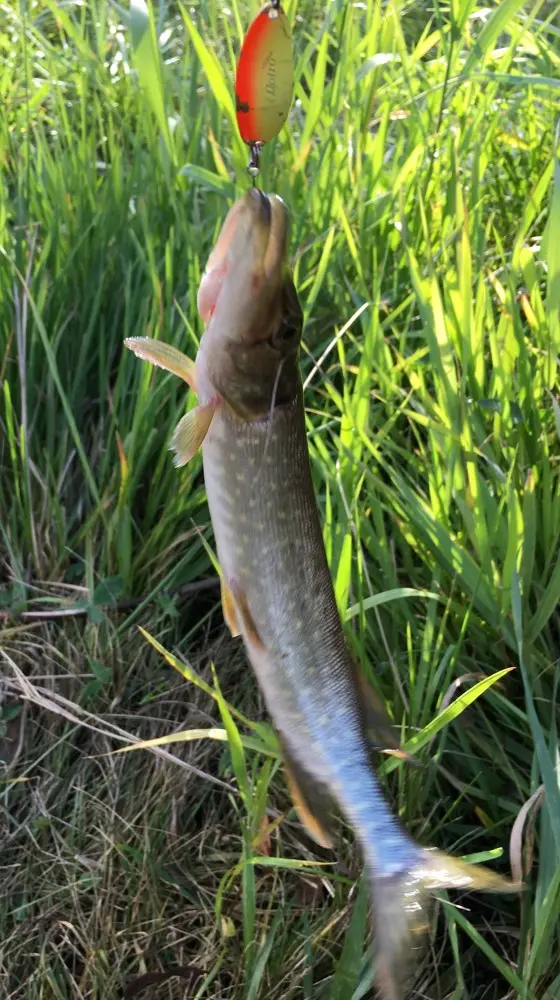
[287, 333]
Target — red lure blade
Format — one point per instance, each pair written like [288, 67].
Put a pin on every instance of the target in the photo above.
[264, 78]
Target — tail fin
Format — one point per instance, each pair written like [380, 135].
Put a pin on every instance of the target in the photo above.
[400, 904]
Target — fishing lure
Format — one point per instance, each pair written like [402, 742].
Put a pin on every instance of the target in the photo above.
[264, 80]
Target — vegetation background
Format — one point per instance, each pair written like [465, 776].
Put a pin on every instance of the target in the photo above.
[422, 173]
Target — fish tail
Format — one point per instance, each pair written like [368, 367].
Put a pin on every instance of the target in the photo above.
[400, 903]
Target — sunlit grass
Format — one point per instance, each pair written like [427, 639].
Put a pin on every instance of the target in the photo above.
[421, 172]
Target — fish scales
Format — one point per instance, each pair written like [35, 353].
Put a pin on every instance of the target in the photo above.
[269, 543]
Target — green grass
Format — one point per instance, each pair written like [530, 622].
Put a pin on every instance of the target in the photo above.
[422, 172]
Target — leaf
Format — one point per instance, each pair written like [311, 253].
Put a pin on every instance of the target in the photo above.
[553, 260]
[315, 105]
[235, 746]
[548, 604]
[108, 591]
[95, 613]
[228, 927]
[502, 967]
[208, 180]
[148, 63]
[500, 18]
[556, 411]
[343, 573]
[347, 970]
[9, 712]
[190, 675]
[546, 926]
[453, 711]
[544, 757]
[216, 79]
[190, 735]
[386, 596]
[374, 62]
[516, 836]
[14, 598]
[259, 969]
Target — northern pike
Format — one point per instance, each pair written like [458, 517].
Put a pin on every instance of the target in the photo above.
[277, 591]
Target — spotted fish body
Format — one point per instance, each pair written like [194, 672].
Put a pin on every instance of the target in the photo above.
[270, 549]
[277, 591]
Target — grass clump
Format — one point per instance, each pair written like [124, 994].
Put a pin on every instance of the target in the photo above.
[421, 170]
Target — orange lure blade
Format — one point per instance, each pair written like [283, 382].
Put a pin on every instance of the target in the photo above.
[264, 78]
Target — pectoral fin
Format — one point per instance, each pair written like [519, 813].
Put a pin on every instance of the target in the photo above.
[312, 804]
[164, 356]
[190, 433]
[228, 608]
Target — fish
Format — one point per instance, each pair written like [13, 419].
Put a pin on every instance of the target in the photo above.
[276, 586]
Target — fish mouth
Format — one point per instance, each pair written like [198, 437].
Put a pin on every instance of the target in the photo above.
[248, 353]
[270, 223]
[249, 253]
[264, 207]
[257, 225]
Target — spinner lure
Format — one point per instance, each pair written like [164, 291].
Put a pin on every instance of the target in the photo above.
[264, 80]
